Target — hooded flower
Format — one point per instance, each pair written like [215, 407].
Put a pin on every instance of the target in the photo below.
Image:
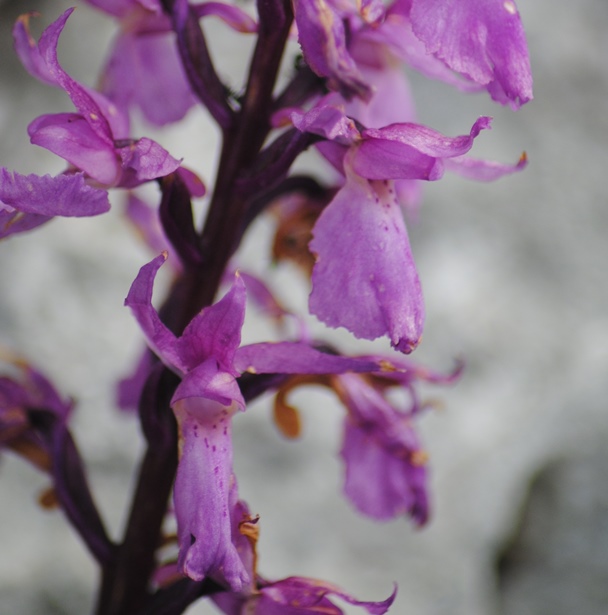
[364, 278]
[94, 140]
[208, 358]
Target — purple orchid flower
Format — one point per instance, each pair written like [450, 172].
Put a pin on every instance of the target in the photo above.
[27, 201]
[365, 278]
[94, 140]
[144, 69]
[386, 474]
[385, 466]
[208, 357]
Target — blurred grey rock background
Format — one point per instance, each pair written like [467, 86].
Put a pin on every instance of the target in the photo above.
[514, 275]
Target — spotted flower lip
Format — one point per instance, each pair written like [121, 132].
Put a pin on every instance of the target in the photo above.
[208, 357]
[95, 139]
[364, 278]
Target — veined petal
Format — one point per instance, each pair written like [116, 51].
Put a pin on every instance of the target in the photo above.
[385, 159]
[481, 39]
[139, 299]
[147, 160]
[426, 140]
[296, 358]
[202, 499]
[208, 383]
[64, 195]
[216, 331]
[365, 278]
[410, 151]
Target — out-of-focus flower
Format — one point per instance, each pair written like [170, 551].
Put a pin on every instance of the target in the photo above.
[385, 465]
[28, 391]
[144, 68]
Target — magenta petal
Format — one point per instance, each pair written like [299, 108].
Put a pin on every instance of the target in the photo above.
[139, 299]
[64, 195]
[296, 358]
[381, 483]
[426, 140]
[147, 159]
[323, 40]
[29, 54]
[484, 170]
[329, 122]
[206, 382]
[202, 497]
[365, 278]
[27, 201]
[69, 136]
[410, 151]
[481, 39]
[385, 159]
[79, 95]
[302, 596]
[216, 331]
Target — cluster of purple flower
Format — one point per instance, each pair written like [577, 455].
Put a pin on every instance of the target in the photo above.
[348, 97]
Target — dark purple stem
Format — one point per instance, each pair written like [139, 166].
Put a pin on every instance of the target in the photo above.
[197, 63]
[127, 576]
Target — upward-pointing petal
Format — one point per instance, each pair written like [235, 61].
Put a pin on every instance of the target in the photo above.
[139, 299]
